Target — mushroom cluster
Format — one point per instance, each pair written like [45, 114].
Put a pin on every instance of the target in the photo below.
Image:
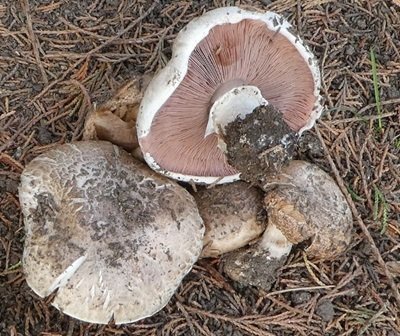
[113, 239]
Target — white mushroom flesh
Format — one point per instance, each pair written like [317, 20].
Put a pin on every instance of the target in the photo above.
[237, 102]
[274, 242]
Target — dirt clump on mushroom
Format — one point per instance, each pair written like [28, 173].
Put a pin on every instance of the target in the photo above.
[251, 266]
[259, 144]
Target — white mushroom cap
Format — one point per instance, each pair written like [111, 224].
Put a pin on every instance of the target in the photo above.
[233, 215]
[223, 49]
[111, 236]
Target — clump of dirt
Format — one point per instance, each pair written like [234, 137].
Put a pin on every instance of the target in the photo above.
[252, 266]
[325, 310]
[260, 144]
[298, 298]
[8, 184]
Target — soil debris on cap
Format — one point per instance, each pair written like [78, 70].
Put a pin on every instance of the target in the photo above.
[259, 144]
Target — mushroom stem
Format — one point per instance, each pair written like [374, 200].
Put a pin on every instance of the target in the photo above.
[275, 242]
[259, 264]
[238, 101]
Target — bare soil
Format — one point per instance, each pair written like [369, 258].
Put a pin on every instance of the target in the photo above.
[59, 59]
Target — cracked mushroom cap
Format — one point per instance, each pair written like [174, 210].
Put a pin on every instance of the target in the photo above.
[306, 203]
[223, 49]
[233, 215]
[102, 231]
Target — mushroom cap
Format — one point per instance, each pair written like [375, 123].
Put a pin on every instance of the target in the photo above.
[222, 49]
[114, 238]
[233, 216]
[306, 203]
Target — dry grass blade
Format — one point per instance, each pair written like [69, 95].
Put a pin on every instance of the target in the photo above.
[376, 89]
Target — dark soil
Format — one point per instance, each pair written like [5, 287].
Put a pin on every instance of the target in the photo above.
[255, 153]
[325, 310]
[253, 266]
[59, 59]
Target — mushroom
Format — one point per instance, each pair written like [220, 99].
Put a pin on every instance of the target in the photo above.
[304, 204]
[227, 57]
[233, 216]
[115, 120]
[111, 238]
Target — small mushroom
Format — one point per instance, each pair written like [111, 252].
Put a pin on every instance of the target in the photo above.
[233, 215]
[115, 120]
[304, 204]
[107, 235]
[227, 57]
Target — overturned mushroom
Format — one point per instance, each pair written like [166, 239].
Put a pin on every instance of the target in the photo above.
[303, 204]
[104, 232]
[233, 215]
[227, 57]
